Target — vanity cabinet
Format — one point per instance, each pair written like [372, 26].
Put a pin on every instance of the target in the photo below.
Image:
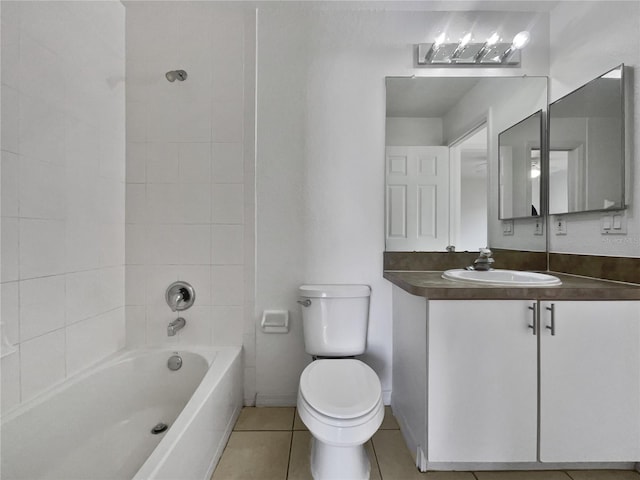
[498, 391]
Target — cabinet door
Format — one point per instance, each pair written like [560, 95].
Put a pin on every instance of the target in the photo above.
[590, 382]
[482, 382]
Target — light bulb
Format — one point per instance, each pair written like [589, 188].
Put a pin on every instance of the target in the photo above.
[439, 40]
[520, 40]
[493, 39]
[465, 39]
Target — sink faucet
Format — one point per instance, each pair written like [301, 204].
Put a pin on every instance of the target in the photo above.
[484, 260]
[176, 325]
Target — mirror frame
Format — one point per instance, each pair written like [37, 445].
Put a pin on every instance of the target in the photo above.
[623, 143]
[541, 147]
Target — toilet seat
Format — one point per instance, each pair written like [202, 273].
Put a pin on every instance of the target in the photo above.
[340, 401]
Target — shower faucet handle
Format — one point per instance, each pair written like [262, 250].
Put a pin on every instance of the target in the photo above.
[180, 296]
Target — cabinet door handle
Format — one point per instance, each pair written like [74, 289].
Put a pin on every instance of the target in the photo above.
[534, 325]
[552, 327]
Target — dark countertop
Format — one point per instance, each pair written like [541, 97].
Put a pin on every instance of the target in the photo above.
[431, 285]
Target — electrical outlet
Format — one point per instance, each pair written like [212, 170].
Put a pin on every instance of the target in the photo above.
[539, 229]
[559, 226]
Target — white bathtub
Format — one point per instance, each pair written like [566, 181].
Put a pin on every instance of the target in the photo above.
[98, 424]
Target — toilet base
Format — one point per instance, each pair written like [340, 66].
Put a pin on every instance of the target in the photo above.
[329, 462]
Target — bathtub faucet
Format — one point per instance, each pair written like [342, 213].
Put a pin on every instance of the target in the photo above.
[176, 325]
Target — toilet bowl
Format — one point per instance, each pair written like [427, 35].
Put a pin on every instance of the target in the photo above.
[340, 402]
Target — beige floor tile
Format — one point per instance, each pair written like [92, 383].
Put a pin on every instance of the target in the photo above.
[389, 422]
[539, 475]
[393, 456]
[603, 475]
[299, 467]
[297, 423]
[254, 455]
[265, 418]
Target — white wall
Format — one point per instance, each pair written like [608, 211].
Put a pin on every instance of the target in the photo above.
[189, 188]
[320, 159]
[412, 132]
[63, 165]
[588, 39]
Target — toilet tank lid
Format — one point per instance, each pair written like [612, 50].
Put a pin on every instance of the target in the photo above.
[335, 291]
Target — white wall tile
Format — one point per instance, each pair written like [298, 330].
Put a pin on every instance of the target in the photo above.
[194, 203]
[42, 306]
[163, 204]
[135, 245]
[9, 117]
[41, 195]
[136, 162]
[42, 363]
[162, 162]
[136, 202]
[42, 248]
[197, 330]
[135, 285]
[227, 285]
[249, 344]
[10, 313]
[163, 245]
[10, 266]
[10, 40]
[42, 131]
[82, 148]
[159, 277]
[227, 244]
[111, 281]
[199, 276]
[136, 326]
[83, 296]
[41, 72]
[10, 375]
[112, 211]
[83, 244]
[93, 339]
[112, 238]
[195, 244]
[227, 325]
[136, 121]
[228, 163]
[195, 162]
[228, 203]
[10, 181]
[164, 113]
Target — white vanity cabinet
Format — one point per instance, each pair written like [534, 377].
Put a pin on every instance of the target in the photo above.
[490, 391]
[590, 381]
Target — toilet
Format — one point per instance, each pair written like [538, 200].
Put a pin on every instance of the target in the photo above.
[339, 397]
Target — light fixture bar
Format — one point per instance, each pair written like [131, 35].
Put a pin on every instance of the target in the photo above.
[492, 52]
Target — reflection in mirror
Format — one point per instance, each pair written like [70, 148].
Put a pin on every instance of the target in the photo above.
[441, 171]
[519, 168]
[586, 147]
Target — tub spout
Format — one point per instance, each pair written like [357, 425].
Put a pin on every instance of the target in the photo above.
[176, 325]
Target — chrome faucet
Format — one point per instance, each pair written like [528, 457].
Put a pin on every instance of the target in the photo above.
[484, 260]
[176, 325]
[180, 296]
[174, 298]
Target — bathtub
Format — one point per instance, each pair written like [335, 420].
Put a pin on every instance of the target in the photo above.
[97, 425]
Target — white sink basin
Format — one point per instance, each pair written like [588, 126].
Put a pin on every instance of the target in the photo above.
[511, 278]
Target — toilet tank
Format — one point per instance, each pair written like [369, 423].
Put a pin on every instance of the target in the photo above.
[335, 319]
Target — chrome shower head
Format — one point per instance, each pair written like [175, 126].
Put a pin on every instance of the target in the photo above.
[174, 75]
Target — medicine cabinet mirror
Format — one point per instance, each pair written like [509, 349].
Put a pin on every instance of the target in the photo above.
[587, 147]
[520, 165]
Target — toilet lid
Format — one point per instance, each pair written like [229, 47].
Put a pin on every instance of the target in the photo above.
[340, 388]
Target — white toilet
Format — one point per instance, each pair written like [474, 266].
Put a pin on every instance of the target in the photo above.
[339, 399]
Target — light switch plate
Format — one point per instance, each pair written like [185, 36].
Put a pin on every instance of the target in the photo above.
[539, 227]
[507, 227]
[559, 225]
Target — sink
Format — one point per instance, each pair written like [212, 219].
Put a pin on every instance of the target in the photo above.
[510, 278]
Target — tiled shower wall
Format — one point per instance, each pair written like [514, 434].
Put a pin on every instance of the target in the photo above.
[63, 167]
[189, 207]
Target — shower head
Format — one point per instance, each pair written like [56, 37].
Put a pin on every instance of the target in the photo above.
[174, 75]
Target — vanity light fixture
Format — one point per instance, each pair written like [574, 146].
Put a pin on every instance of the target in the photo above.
[492, 52]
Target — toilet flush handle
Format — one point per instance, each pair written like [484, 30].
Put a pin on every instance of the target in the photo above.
[305, 303]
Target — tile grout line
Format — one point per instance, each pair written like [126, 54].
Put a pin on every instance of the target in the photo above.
[291, 431]
[375, 454]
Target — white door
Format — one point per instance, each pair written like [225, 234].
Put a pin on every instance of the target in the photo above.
[482, 381]
[417, 198]
[590, 382]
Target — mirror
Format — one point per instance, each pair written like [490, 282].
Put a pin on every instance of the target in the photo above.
[587, 147]
[519, 158]
[441, 168]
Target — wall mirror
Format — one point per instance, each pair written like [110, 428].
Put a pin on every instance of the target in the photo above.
[441, 167]
[587, 147]
[520, 165]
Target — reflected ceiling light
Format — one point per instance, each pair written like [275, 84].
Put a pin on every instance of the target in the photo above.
[492, 52]
[535, 170]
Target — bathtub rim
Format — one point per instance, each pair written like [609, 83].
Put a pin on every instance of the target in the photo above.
[209, 353]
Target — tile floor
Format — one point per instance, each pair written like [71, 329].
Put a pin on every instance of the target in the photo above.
[273, 444]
